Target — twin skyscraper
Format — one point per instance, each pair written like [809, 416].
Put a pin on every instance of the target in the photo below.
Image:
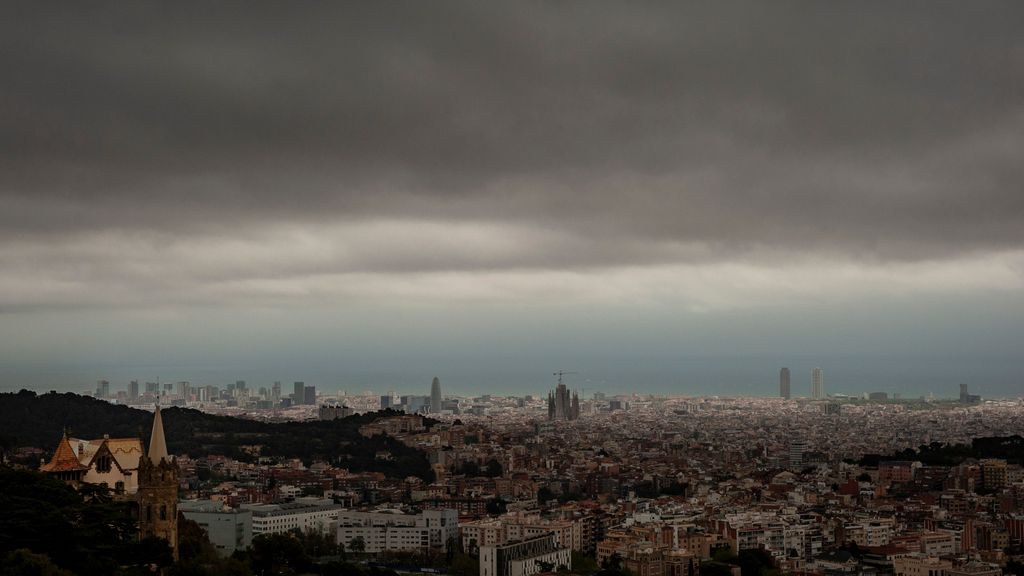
[817, 384]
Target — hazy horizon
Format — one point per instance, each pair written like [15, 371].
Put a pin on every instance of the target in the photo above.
[908, 377]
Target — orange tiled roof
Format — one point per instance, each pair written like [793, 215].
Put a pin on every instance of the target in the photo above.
[64, 459]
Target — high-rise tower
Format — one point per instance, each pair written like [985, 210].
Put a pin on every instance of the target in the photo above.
[435, 396]
[158, 489]
[817, 383]
[784, 383]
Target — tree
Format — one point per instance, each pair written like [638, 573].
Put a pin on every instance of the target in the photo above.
[496, 506]
[193, 543]
[47, 517]
[723, 554]
[317, 544]
[544, 494]
[755, 562]
[494, 468]
[151, 551]
[24, 562]
[673, 489]
[613, 562]
[1014, 567]
[357, 545]
[464, 565]
[277, 553]
[583, 563]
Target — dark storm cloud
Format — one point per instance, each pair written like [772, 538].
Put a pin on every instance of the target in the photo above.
[873, 130]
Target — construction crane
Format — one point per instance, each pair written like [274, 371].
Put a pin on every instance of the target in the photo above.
[561, 373]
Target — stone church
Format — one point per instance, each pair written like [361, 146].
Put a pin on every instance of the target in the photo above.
[158, 489]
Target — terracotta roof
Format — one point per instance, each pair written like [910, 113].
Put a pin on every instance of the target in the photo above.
[64, 459]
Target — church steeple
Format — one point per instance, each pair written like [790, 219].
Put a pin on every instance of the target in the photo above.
[158, 489]
[157, 443]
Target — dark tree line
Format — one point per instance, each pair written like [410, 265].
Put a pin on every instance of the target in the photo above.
[1009, 448]
[28, 419]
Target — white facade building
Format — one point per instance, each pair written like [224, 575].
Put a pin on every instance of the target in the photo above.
[304, 514]
[393, 530]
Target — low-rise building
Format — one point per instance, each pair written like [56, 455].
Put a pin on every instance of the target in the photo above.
[394, 530]
[229, 529]
[537, 554]
[304, 514]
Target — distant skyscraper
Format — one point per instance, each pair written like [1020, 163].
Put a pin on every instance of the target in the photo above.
[299, 395]
[309, 395]
[240, 385]
[817, 383]
[133, 390]
[784, 383]
[102, 388]
[966, 397]
[797, 447]
[435, 396]
[275, 392]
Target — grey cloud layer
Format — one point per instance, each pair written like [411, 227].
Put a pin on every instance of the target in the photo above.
[872, 130]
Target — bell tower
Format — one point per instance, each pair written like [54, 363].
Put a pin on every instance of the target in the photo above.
[158, 489]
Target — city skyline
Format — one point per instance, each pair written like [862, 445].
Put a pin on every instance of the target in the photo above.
[433, 401]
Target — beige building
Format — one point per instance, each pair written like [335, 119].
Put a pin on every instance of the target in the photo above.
[920, 565]
[113, 462]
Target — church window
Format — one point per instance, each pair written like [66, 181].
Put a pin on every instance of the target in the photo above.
[103, 464]
[163, 512]
[149, 513]
[119, 486]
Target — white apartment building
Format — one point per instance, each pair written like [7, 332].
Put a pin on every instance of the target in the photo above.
[304, 514]
[523, 558]
[394, 530]
[228, 529]
[877, 532]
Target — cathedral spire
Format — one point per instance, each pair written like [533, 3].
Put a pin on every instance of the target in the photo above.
[157, 444]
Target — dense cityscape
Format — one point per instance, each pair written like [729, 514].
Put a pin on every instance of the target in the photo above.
[639, 484]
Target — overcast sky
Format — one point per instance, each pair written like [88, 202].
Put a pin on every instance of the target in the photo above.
[331, 189]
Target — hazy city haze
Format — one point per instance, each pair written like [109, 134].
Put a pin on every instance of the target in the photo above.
[664, 198]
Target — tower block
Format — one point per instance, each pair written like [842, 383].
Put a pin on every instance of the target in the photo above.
[158, 489]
